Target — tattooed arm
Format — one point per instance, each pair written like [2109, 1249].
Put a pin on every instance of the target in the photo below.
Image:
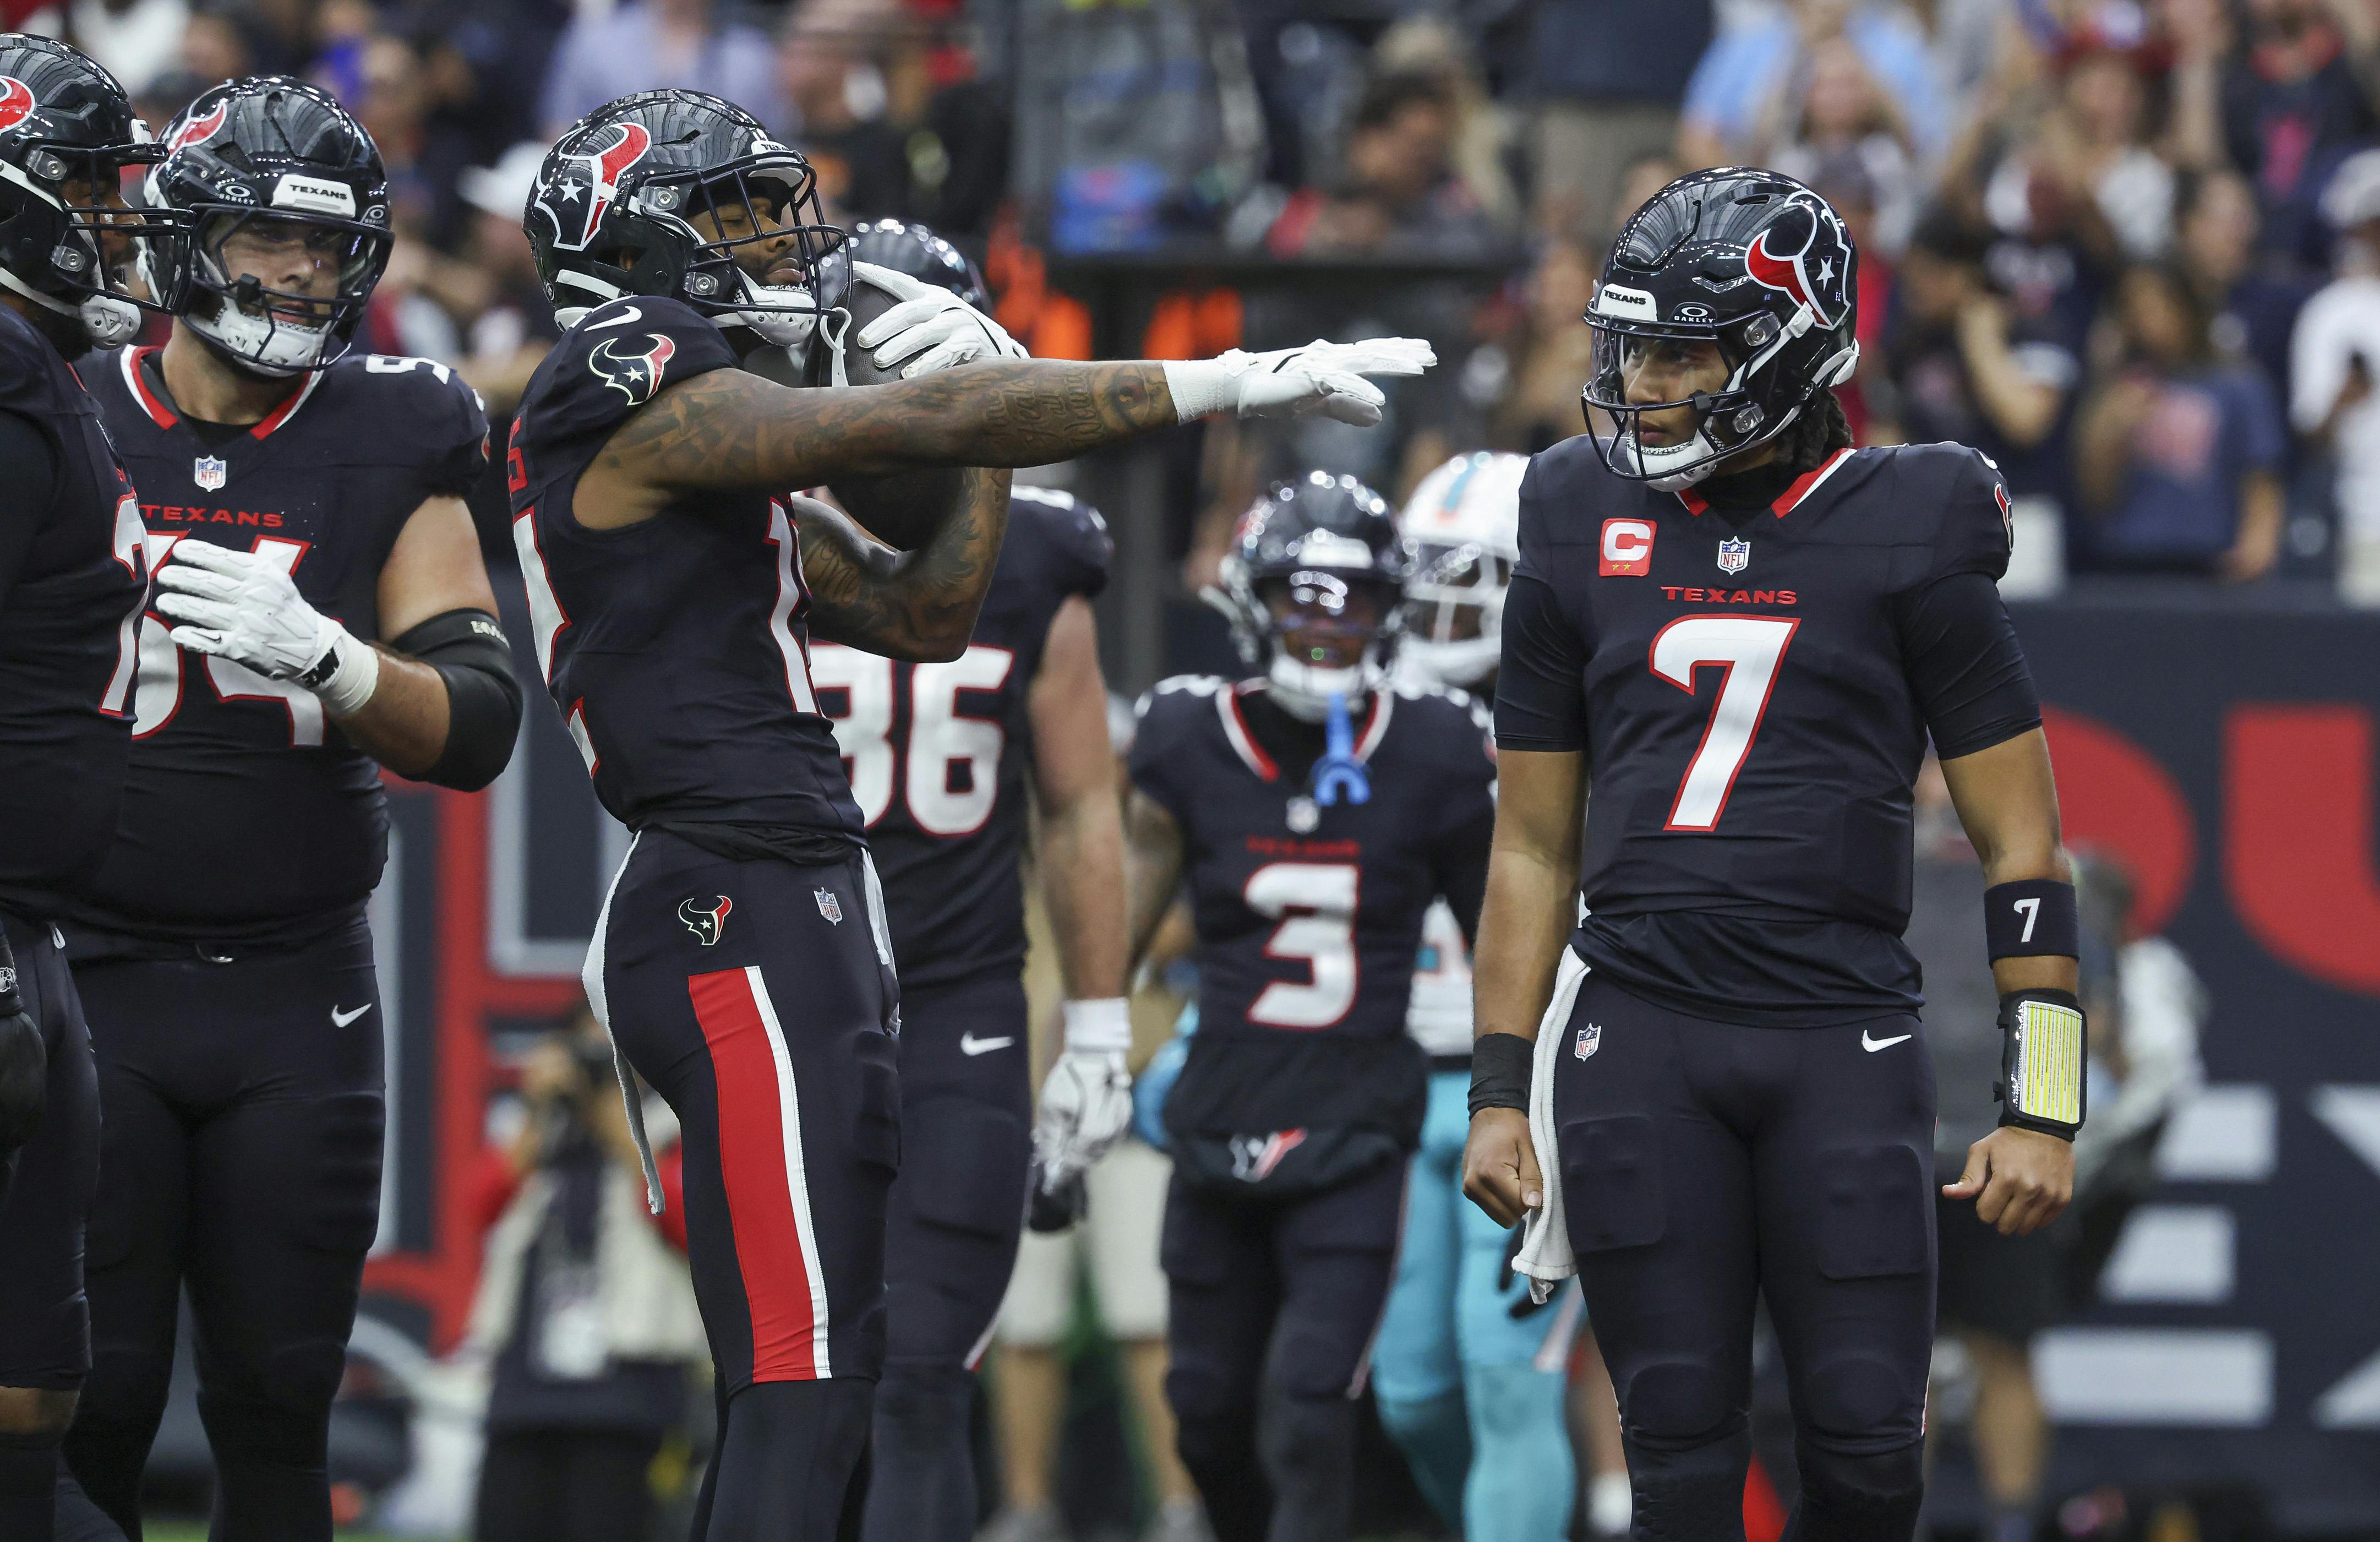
[918, 606]
[730, 429]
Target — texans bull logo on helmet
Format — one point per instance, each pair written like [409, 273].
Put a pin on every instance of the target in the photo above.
[16, 101]
[585, 185]
[1806, 255]
[634, 375]
[199, 130]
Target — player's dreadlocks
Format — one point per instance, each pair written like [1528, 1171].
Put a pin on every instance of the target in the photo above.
[1819, 433]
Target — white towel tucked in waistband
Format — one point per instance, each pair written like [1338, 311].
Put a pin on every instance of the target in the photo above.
[1545, 1256]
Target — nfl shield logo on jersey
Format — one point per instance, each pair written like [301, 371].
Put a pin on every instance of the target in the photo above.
[210, 472]
[829, 905]
[1734, 555]
[1590, 1039]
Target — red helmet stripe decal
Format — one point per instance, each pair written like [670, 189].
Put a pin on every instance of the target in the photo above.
[1773, 273]
[16, 101]
[199, 130]
[611, 165]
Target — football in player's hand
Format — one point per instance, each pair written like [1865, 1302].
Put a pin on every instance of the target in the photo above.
[903, 509]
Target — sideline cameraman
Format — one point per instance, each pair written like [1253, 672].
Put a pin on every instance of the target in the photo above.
[585, 1312]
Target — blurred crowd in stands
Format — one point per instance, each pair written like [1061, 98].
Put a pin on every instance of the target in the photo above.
[2131, 248]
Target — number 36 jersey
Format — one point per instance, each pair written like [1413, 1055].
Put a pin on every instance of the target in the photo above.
[249, 816]
[940, 753]
[1309, 916]
[1753, 689]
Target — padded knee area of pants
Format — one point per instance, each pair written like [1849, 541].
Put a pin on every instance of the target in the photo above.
[272, 1434]
[1863, 1398]
[1200, 1388]
[1305, 1439]
[1678, 1403]
[923, 1404]
[294, 1380]
[1858, 1498]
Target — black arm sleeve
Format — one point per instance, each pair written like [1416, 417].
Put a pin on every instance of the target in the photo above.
[1966, 666]
[32, 466]
[484, 696]
[1539, 703]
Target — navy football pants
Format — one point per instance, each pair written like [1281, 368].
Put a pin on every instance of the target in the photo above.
[241, 1155]
[1272, 1307]
[1703, 1162]
[758, 999]
[44, 1329]
[950, 1244]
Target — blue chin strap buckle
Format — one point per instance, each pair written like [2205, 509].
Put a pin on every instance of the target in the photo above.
[1338, 772]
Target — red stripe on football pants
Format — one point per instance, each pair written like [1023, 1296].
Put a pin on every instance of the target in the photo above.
[761, 1182]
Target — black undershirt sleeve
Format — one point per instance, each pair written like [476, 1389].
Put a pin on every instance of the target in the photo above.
[1965, 664]
[1539, 700]
[32, 466]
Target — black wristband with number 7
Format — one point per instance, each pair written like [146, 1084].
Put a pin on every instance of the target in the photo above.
[2032, 917]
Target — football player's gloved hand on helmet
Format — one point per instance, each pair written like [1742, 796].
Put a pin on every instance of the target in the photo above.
[1296, 382]
[1086, 1100]
[942, 330]
[242, 606]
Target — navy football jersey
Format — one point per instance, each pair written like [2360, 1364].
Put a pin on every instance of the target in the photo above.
[1753, 689]
[70, 602]
[249, 816]
[675, 649]
[938, 754]
[1309, 917]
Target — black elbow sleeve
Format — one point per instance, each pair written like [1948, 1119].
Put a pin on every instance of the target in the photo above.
[484, 696]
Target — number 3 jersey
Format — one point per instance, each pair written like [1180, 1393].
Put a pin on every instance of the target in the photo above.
[1753, 689]
[1309, 914]
[940, 754]
[674, 647]
[249, 818]
[72, 577]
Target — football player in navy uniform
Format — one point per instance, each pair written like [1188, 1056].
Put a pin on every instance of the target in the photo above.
[949, 762]
[1469, 1375]
[320, 611]
[1717, 1084]
[73, 577]
[1316, 811]
[742, 961]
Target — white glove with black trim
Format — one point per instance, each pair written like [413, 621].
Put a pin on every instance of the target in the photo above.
[1087, 1098]
[941, 329]
[244, 607]
[1296, 382]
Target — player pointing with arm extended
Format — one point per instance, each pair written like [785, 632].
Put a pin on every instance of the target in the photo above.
[742, 961]
[1717, 1085]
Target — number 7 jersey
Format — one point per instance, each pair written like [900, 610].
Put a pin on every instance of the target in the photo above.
[1753, 689]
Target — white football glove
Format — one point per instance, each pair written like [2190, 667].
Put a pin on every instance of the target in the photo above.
[941, 329]
[242, 606]
[1085, 1105]
[1296, 382]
